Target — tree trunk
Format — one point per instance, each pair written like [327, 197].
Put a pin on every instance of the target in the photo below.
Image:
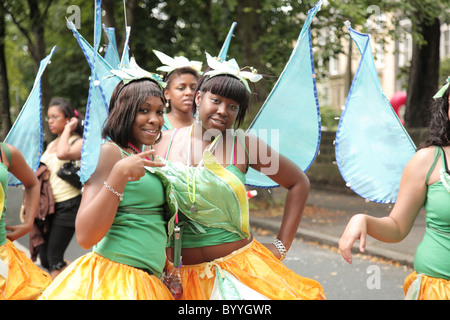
[109, 20]
[5, 116]
[249, 31]
[423, 76]
[37, 51]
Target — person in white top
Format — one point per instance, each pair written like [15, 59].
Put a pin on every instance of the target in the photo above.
[64, 122]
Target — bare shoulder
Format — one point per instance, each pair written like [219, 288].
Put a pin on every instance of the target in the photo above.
[423, 156]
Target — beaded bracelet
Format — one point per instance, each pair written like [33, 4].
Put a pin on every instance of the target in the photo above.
[281, 248]
[120, 195]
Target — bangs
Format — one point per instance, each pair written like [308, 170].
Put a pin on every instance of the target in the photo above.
[227, 86]
[124, 107]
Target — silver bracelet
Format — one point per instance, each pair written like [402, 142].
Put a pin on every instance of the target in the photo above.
[120, 195]
[281, 248]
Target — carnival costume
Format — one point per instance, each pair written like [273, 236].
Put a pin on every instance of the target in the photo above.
[128, 262]
[431, 278]
[171, 64]
[220, 214]
[20, 278]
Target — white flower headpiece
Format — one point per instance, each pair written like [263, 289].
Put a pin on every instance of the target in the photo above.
[171, 64]
[232, 68]
[134, 72]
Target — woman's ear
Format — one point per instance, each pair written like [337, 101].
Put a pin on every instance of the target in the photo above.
[198, 98]
[166, 94]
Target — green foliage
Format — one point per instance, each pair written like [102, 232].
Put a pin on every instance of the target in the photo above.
[180, 27]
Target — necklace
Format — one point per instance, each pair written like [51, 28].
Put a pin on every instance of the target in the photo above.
[212, 147]
[136, 150]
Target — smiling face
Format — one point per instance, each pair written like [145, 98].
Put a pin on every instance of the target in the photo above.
[148, 122]
[215, 111]
[180, 92]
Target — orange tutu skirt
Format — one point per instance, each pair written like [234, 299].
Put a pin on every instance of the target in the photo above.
[25, 280]
[422, 287]
[93, 277]
[255, 267]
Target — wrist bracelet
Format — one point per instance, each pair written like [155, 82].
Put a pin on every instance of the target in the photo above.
[120, 195]
[281, 248]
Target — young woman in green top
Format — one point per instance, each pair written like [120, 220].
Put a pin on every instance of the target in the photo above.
[123, 209]
[206, 164]
[20, 278]
[425, 183]
[181, 77]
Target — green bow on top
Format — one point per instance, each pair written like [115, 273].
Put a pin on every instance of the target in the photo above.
[440, 93]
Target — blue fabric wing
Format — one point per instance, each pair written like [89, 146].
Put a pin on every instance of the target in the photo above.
[223, 52]
[372, 147]
[112, 53]
[125, 62]
[27, 134]
[101, 86]
[289, 120]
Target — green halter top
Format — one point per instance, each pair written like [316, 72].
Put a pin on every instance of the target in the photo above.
[433, 253]
[138, 235]
[3, 192]
[221, 202]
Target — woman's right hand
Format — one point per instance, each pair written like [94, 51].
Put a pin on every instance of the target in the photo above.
[133, 167]
[72, 124]
[356, 230]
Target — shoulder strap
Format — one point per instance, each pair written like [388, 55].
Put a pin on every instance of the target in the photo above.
[7, 151]
[122, 152]
[170, 143]
[238, 134]
[436, 158]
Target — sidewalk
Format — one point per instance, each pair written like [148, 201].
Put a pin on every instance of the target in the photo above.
[326, 216]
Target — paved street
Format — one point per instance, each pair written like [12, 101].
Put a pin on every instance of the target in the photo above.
[367, 278]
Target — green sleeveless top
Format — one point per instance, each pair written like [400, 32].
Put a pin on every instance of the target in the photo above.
[433, 253]
[138, 235]
[3, 192]
[221, 202]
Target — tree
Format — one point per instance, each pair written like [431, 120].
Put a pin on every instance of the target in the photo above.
[30, 22]
[5, 123]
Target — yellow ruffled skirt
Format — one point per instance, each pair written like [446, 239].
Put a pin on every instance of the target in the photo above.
[25, 280]
[422, 287]
[93, 277]
[254, 266]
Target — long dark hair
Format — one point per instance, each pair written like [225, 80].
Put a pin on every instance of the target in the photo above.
[439, 126]
[69, 112]
[229, 87]
[123, 108]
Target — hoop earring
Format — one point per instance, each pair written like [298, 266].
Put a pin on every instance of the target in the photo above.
[159, 138]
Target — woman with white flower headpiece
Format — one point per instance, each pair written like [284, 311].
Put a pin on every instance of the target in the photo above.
[123, 210]
[212, 253]
[181, 81]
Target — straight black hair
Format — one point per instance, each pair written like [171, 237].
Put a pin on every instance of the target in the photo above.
[123, 107]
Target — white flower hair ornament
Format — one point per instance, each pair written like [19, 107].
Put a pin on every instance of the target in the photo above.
[232, 68]
[134, 72]
[171, 64]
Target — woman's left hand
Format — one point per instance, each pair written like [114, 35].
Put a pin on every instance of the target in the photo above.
[273, 249]
[17, 231]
